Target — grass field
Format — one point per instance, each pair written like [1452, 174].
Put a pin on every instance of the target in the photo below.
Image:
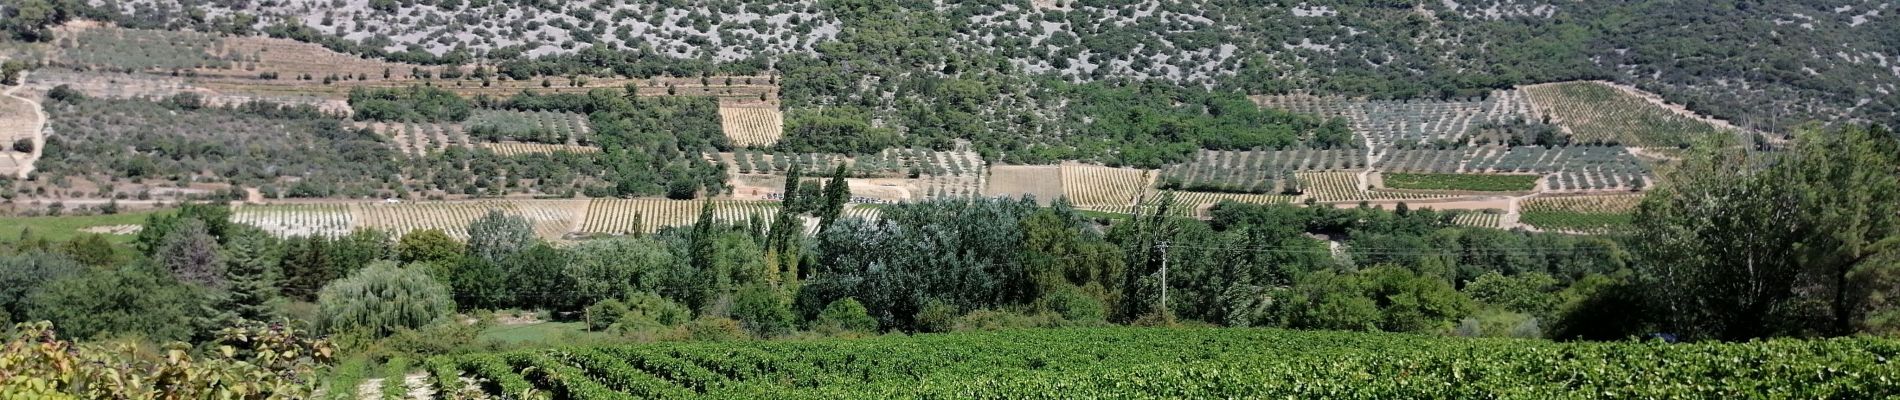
[67, 227]
[1181, 363]
[1462, 182]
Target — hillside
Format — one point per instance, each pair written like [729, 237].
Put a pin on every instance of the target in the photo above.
[1772, 66]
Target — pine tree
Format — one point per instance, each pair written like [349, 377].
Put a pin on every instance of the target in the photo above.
[252, 270]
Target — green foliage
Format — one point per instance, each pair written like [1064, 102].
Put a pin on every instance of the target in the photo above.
[1384, 298]
[251, 270]
[250, 361]
[22, 275]
[429, 246]
[1766, 247]
[1206, 363]
[381, 299]
[842, 316]
[129, 300]
[845, 130]
[1462, 182]
[762, 312]
[497, 236]
[415, 103]
[1576, 221]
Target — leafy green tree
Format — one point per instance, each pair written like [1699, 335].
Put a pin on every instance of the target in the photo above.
[610, 269]
[539, 278]
[497, 236]
[1531, 293]
[1726, 243]
[130, 300]
[480, 284]
[92, 250]
[381, 299]
[762, 312]
[23, 274]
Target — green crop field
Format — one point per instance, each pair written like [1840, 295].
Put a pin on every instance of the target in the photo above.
[1185, 363]
[67, 227]
[1462, 182]
[1569, 221]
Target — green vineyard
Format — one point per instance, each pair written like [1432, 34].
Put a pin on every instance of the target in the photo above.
[1462, 182]
[1581, 222]
[1181, 363]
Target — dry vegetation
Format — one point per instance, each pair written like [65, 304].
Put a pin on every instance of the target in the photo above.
[1089, 185]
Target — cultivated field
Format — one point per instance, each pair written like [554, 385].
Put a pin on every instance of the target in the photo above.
[1579, 214]
[1461, 182]
[751, 126]
[420, 138]
[1089, 185]
[1015, 181]
[552, 219]
[1598, 113]
[1198, 200]
[1479, 219]
[519, 148]
[1347, 186]
[1607, 204]
[622, 216]
[1172, 363]
[550, 127]
[1384, 123]
[330, 220]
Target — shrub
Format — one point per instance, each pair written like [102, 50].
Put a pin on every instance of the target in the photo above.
[715, 329]
[846, 315]
[936, 316]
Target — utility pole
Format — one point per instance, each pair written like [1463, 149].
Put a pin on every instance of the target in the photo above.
[1164, 277]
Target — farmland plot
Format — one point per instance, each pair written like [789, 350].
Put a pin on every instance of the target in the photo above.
[141, 50]
[552, 219]
[1347, 186]
[1014, 181]
[420, 138]
[519, 148]
[549, 127]
[328, 220]
[1479, 219]
[1204, 199]
[1610, 204]
[1383, 123]
[1254, 171]
[621, 216]
[1089, 185]
[1599, 113]
[752, 126]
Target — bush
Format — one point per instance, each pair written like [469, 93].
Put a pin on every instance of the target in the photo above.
[936, 316]
[381, 299]
[846, 315]
[992, 320]
[1073, 305]
[715, 329]
[604, 314]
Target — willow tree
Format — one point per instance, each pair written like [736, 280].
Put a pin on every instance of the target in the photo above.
[381, 299]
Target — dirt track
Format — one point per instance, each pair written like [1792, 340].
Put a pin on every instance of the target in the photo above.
[36, 127]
